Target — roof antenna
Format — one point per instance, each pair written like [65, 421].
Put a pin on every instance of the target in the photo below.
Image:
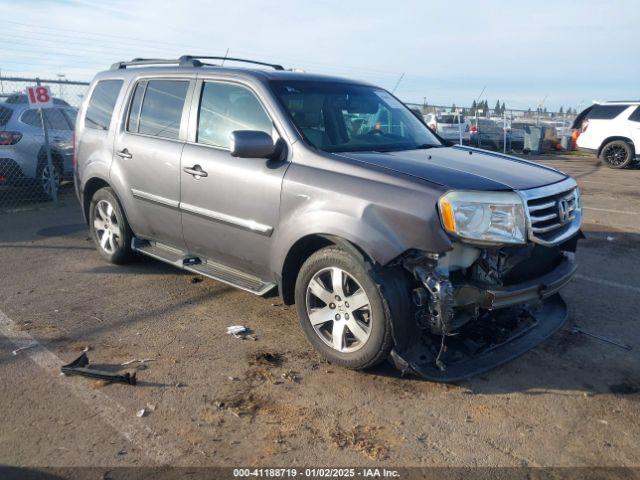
[398, 82]
[225, 57]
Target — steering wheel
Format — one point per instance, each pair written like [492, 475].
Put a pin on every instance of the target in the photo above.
[375, 131]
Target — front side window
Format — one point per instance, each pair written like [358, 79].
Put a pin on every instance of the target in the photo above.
[55, 119]
[224, 108]
[101, 104]
[161, 110]
[339, 117]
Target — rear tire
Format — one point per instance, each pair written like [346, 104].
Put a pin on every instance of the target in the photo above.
[109, 227]
[618, 154]
[364, 336]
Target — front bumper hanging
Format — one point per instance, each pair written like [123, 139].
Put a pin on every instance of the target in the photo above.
[492, 340]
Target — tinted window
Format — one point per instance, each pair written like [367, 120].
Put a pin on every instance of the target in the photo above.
[134, 111]
[162, 108]
[635, 116]
[606, 112]
[55, 119]
[450, 119]
[339, 117]
[5, 115]
[32, 118]
[101, 104]
[225, 108]
[71, 114]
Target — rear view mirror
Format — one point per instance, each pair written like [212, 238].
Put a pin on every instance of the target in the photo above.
[251, 144]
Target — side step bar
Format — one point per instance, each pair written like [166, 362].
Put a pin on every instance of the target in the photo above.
[202, 266]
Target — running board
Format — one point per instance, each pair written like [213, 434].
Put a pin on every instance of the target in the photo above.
[202, 266]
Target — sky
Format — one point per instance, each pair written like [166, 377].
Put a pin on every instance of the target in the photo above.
[524, 53]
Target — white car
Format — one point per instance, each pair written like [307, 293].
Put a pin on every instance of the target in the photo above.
[449, 126]
[611, 130]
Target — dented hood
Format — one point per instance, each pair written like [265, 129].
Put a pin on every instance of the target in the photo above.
[463, 168]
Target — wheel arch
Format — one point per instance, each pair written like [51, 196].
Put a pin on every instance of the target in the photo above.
[301, 250]
[90, 188]
[613, 139]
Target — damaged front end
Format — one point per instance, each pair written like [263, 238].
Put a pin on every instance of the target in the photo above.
[477, 307]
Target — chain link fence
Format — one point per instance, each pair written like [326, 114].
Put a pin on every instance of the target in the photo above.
[500, 128]
[36, 146]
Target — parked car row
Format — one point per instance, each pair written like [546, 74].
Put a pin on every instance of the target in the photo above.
[23, 158]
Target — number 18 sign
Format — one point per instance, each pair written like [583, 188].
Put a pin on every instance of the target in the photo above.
[39, 97]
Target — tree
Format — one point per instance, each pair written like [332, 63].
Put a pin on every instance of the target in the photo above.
[502, 109]
[453, 108]
[561, 111]
[496, 109]
[474, 107]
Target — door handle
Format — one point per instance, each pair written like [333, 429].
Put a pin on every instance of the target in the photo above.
[196, 171]
[124, 153]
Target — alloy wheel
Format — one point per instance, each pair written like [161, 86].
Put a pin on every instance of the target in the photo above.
[615, 155]
[106, 227]
[45, 180]
[339, 309]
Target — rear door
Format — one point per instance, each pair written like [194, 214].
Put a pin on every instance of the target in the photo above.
[229, 215]
[147, 153]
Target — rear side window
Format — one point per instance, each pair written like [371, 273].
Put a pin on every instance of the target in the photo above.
[101, 105]
[606, 112]
[160, 112]
[635, 116]
[5, 115]
[31, 118]
[226, 107]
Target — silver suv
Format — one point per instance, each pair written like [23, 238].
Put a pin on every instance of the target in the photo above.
[23, 158]
[448, 260]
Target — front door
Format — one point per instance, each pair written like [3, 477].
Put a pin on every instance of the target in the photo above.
[229, 212]
[147, 157]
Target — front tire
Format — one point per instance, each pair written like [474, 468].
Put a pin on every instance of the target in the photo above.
[341, 309]
[617, 154]
[109, 228]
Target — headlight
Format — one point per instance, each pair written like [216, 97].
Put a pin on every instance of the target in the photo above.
[489, 217]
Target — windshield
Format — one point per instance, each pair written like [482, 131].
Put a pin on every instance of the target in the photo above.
[338, 117]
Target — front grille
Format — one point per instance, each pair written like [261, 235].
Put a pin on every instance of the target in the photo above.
[553, 211]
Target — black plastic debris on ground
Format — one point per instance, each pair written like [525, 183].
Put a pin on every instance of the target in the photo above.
[80, 366]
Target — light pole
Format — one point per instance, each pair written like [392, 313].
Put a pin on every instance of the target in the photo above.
[61, 77]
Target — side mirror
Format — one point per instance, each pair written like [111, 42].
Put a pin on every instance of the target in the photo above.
[251, 144]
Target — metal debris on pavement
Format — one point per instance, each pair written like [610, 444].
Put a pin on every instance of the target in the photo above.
[137, 360]
[26, 347]
[574, 330]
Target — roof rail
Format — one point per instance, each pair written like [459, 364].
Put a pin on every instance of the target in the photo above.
[193, 60]
[144, 61]
[188, 61]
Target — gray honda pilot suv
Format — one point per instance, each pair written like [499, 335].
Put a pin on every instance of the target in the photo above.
[391, 244]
